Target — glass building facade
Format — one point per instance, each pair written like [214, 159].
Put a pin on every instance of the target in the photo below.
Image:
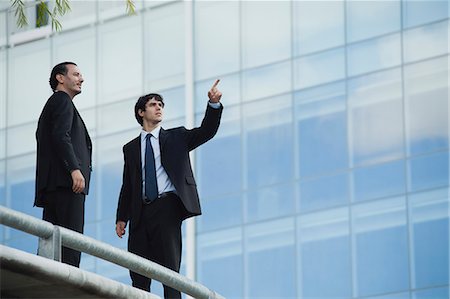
[329, 176]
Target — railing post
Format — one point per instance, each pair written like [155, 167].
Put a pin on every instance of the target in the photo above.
[51, 247]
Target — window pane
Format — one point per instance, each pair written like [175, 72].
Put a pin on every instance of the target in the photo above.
[428, 172]
[117, 117]
[219, 262]
[319, 68]
[270, 259]
[3, 83]
[318, 25]
[437, 293]
[120, 62]
[266, 32]
[219, 174]
[381, 245]
[218, 21]
[175, 103]
[383, 52]
[430, 229]
[230, 86]
[426, 103]
[324, 192]
[220, 212]
[164, 46]
[266, 81]
[79, 47]
[425, 42]
[363, 18]
[322, 129]
[376, 111]
[416, 12]
[268, 132]
[3, 28]
[378, 181]
[81, 13]
[37, 91]
[21, 139]
[270, 202]
[325, 263]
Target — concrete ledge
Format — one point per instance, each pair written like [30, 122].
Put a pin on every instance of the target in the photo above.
[24, 275]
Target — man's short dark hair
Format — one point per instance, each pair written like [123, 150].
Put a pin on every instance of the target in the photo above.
[60, 68]
[142, 101]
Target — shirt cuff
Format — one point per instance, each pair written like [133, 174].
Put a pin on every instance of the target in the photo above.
[214, 105]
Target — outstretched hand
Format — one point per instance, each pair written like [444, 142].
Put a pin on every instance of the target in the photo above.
[214, 94]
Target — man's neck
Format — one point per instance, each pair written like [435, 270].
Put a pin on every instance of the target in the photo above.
[58, 88]
[148, 127]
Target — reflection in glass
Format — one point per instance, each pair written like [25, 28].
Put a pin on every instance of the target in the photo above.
[325, 262]
[219, 262]
[376, 111]
[3, 81]
[436, 293]
[382, 180]
[427, 105]
[318, 25]
[430, 237]
[117, 117]
[363, 18]
[319, 68]
[220, 212]
[374, 55]
[322, 129]
[422, 12]
[431, 171]
[271, 259]
[381, 247]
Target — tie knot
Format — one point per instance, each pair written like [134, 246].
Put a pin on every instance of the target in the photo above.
[149, 136]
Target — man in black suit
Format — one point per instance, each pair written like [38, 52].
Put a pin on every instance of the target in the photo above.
[64, 155]
[158, 189]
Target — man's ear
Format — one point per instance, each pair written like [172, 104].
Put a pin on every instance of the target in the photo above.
[141, 112]
[60, 78]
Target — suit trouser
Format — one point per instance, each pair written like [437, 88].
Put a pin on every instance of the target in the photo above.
[158, 238]
[66, 209]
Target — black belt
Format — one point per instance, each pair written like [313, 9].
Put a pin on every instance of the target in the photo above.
[160, 196]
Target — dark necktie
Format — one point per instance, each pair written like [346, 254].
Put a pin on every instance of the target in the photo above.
[151, 186]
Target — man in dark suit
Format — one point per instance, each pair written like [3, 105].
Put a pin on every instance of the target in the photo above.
[64, 152]
[158, 190]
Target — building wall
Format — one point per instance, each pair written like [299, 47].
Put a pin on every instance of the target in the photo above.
[329, 177]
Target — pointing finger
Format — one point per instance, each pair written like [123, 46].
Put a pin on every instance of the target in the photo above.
[215, 84]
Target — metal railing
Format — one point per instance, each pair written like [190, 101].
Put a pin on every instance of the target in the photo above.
[52, 237]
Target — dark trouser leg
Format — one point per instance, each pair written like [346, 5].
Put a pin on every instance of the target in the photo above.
[66, 209]
[138, 244]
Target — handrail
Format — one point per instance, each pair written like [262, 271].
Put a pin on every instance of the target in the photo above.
[135, 263]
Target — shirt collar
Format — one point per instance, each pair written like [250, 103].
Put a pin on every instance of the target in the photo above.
[154, 132]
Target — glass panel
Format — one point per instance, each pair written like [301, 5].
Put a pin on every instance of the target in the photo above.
[378, 181]
[325, 262]
[81, 13]
[324, 192]
[2, 187]
[219, 262]
[3, 82]
[428, 172]
[79, 47]
[120, 61]
[381, 247]
[322, 129]
[217, 21]
[268, 132]
[270, 202]
[318, 25]
[218, 163]
[21, 139]
[383, 52]
[109, 9]
[164, 46]
[175, 103]
[266, 81]
[265, 41]
[437, 293]
[3, 23]
[425, 42]
[417, 12]
[220, 212]
[319, 68]
[271, 259]
[117, 117]
[392, 296]
[363, 18]
[376, 117]
[35, 57]
[426, 104]
[430, 237]
[230, 86]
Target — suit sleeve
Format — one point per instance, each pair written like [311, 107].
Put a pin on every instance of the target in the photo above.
[62, 117]
[123, 206]
[207, 130]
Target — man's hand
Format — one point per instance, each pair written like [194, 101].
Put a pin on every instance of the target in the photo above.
[214, 94]
[78, 182]
[120, 228]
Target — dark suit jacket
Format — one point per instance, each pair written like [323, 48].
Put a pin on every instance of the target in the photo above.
[63, 144]
[175, 145]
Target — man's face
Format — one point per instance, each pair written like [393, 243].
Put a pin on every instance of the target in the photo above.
[72, 81]
[153, 111]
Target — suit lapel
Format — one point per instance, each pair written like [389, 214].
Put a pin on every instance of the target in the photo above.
[162, 139]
